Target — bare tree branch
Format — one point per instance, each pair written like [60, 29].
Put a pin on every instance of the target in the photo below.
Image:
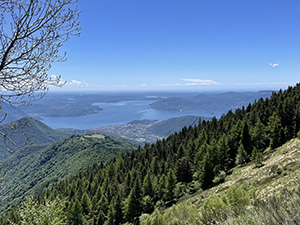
[31, 34]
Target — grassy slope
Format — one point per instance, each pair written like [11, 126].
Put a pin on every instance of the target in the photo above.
[35, 168]
[271, 195]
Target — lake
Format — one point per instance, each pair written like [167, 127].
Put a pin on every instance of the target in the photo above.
[115, 114]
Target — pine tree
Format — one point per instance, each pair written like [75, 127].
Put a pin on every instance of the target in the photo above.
[206, 171]
[161, 186]
[170, 187]
[274, 129]
[259, 135]
[183, 170]
[111, 213]
[246, 138]
[86, 204]
[147, 188]
[76, 217]
[257, 157]
[180, 151]
[132, 206]
[241, 156]
[223, 153]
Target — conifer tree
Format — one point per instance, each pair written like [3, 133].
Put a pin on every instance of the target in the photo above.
[147, 185]
[132, 206]
[103, 204]
[170, 187]
[246, 138]
[241, 156]
[180, 151]
[154, 166]
[161, 186]
[183, 170]
[101, 218]
[86, 204]
[206, 171]
[223, 153]
[257, 157]
[111, 213]
[274, 129]
[76, 217]
[259, 135]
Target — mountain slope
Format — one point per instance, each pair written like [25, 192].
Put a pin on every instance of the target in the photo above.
[35, 168]
[40, 133]
[274, 188]
[12, 112]
[172, 125]
[211, 104]
[158, 175]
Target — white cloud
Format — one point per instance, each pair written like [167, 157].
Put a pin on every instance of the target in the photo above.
[77, 83]
[143, 85]
[195, 82]
[274, 65]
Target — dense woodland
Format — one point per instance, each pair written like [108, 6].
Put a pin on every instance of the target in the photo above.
[158, 175]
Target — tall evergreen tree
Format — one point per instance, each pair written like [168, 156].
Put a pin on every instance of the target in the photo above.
[259, 136]
[241, 156]
[246, 138]
[207, 170]
[132, 206]
[170, 187]
[183, 170]
[147, 188]
[223, 153]
[274, 129]
[76, 217]
[86, 204]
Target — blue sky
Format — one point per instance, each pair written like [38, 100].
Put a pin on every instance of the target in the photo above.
[189, 45]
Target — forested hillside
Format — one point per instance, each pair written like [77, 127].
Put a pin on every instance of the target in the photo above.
[36, 167]
[172, 125]
[37, 133]
[251, 194]
[158, 175]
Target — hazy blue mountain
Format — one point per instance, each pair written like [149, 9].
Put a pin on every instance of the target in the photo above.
[12, 113]
[215, 104]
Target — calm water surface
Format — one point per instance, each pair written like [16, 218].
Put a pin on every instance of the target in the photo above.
[115, 114]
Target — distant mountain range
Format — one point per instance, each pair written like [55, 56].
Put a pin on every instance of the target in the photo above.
[211, 104]
[76, 104]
